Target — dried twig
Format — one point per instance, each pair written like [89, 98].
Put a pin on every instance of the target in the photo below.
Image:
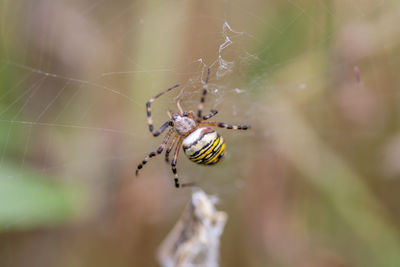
[194, 241]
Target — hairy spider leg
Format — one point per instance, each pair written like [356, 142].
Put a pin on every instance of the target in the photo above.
[162, 128]
[170, 147]
[158, 151]
[203, 97]
[224, 125]
[212, 114]
[174, 160]
[150, 119]
[173, 165]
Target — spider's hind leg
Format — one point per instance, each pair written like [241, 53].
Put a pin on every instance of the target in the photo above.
[168, 150]
[153, 154]
[173, 166]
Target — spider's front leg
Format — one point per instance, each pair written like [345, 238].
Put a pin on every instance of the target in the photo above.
[224, 125]
[212, 114]
[203, 97]
[161, 129]
[149, 117]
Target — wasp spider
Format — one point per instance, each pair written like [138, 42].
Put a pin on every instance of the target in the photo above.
[200, 143]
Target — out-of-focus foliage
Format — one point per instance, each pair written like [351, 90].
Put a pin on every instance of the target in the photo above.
[30, 200]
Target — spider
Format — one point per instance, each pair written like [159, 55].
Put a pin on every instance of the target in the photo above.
[200, 143]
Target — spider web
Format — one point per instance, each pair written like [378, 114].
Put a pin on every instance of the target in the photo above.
[43, 98]
[75, 77]
[47, 101]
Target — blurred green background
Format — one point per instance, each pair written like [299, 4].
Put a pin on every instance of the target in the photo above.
[315, 182]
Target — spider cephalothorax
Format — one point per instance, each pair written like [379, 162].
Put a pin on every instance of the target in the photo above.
[200, 143]
[183, 124]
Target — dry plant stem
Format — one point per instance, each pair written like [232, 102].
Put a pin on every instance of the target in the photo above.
[194, 240]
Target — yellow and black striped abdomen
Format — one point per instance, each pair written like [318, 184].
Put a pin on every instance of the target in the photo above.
[204, 146]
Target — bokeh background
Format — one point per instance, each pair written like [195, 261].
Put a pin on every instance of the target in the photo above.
[315, 182]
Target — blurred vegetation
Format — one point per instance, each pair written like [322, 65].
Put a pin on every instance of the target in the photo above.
[30, 200]
[314, 183]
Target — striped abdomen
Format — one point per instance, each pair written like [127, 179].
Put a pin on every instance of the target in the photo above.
[204, 146]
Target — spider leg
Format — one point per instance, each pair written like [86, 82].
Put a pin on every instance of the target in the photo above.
[224, 125]
[170, 147]
[173, 165]
[162, 128]
[148, 111]
[203, 97]
[212, 114]
[158, 151]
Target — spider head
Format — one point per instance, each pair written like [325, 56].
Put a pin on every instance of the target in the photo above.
[183, 124]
